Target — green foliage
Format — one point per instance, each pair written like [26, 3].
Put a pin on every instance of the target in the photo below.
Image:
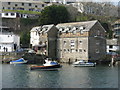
[106, 21]
[83, 18]
[25, 39]
[28, 21]
[54, 14]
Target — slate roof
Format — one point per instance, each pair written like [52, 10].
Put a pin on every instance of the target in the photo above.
[76, 26]
[42, 29]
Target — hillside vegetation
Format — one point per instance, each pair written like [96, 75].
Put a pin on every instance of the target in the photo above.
[53, 15]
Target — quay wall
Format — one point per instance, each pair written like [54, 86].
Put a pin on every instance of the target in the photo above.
[31, 57]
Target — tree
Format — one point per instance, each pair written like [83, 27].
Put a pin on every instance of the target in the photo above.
[25, 39]
[53, 15]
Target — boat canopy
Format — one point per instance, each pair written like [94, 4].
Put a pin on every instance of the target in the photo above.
[19, 60]
[53, 63]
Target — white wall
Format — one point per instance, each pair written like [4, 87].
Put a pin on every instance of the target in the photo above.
[114, 48]
[34, 40]
[9, 15]
[8, 42]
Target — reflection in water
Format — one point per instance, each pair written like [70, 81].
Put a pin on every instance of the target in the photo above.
[103, 77]
[20, 76]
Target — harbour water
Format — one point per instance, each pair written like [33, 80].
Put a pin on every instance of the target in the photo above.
[20, 76]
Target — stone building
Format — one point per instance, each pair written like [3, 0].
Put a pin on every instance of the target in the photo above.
[81, 40]
[44, 40]
[23, 5]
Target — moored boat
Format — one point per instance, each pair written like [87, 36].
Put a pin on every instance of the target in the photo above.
[49, 65]
[19, 61]
[82, 63]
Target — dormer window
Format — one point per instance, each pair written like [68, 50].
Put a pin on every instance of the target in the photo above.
[81, 32]
[74, 32]
[82, 27]
[61, 29]
[68, 28]
[60, 32]
[66, 32]
[74, 28]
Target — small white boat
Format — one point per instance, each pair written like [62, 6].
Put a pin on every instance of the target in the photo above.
[19, 61]
[49, 65]
[82, 63]
[49, 62]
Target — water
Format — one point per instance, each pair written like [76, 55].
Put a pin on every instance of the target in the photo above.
[20, 76]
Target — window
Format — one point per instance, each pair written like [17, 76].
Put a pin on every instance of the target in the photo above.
[72, 43]
[80, 42]
[68, 50]
[31, 9]
[72, 50]
[22, 4]
[8, 3]
[42, 5]
[13, 8]
[66, 32]
[36, 6]
[30, 4]
[64, 50]
[6, 14]
[64, 42]
[80, 50]
[84, 50]
[110, 51]
[16, 5]
[97, 51]
[97, 43]
[12, 14]
[8, 7]
[111, 46]
[21, 8]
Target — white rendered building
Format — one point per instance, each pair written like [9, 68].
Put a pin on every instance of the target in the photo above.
[9, 15]
[9, 42]
[112, 45]
[34, 39]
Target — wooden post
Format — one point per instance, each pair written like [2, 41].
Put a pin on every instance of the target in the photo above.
[113, 62]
